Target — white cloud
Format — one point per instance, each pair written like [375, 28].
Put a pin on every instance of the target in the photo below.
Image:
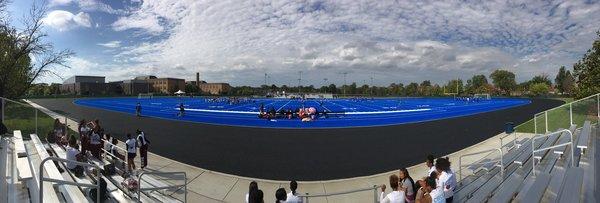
[111, 44]
[87, 5]
[64, 20]
[396, 40]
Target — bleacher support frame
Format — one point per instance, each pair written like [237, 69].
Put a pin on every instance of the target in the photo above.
[42, 178]
[307, 196]
[553, 146]
[460, 166]
[140, 189]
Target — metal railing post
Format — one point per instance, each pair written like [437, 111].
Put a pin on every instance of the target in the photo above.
[546, 118]
[3, 104]
[533, 154]
[535, 124]
[63, 182]
[36, 122]
[375, 199]
[571, 112]
[597, 106]
[571, 142]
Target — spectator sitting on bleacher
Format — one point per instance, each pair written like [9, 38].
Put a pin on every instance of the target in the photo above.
[292, 196]
[84, 132]
[396, 196]
[73, 154]
[108, 142]
[280, 196]
[131, 146]
[59, 129]
[446, 178]
[407, 185]
[252, 188]
[115, 152]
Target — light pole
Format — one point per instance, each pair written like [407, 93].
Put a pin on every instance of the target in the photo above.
[300, 82]
[325, 84]
[344, 89]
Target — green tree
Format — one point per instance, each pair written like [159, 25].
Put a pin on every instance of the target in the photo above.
[412, 89]
[425, 88]
[476, 84]
[539, 89]
[454, 86]
[503, 80]
[17, 71]
[568, 83]
[191, 88]
[560, 77]
[541, 79]
[587, 71]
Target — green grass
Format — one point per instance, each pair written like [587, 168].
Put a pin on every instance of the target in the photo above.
[19, 117]
[560, 118]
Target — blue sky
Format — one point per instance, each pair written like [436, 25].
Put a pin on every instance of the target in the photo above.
[391, 41]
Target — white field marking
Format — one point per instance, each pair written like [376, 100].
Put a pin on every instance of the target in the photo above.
[384, 112]
[156, 103]
[346, 113]
[220, 111]
[284, 105]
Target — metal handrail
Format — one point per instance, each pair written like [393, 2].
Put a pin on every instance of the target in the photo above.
[306, 196]
[112, 155]
[552, 147]
[515, 144]
[460, 165]
[140, 189]
[42, 178]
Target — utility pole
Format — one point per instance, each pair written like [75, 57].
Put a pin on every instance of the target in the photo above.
[325, 84]
[265, 79]
[300, 83]
[344, 88]
[372, 84]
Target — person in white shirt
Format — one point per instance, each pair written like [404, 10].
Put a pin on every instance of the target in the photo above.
[446, 179]
[131, 146]
[395, 196]
[430, 164]
[252, 188]
[73, 154]
[291, 197]
[95, 143]
[433, 193]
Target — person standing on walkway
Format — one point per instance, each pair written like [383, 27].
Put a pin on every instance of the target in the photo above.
[131, 146]
[143, 143]
[292, 197]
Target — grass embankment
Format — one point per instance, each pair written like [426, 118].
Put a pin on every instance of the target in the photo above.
[559, 117]
[22, 117]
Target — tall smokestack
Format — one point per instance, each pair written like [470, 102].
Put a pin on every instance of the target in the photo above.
[198, 78]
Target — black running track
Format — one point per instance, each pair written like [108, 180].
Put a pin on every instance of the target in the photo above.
[304, 154]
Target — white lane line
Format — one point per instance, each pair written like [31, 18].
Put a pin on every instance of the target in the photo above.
[284, 105]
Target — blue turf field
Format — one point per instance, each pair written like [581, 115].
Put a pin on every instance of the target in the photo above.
[341, 112]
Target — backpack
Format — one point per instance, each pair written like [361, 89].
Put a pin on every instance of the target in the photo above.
[109, 170]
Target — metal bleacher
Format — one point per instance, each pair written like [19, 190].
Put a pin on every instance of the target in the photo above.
[564, 170]
[33, 171]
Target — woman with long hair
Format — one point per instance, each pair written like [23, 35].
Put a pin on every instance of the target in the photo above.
[407, 184]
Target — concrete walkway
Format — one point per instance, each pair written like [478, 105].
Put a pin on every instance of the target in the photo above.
[211, 186]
